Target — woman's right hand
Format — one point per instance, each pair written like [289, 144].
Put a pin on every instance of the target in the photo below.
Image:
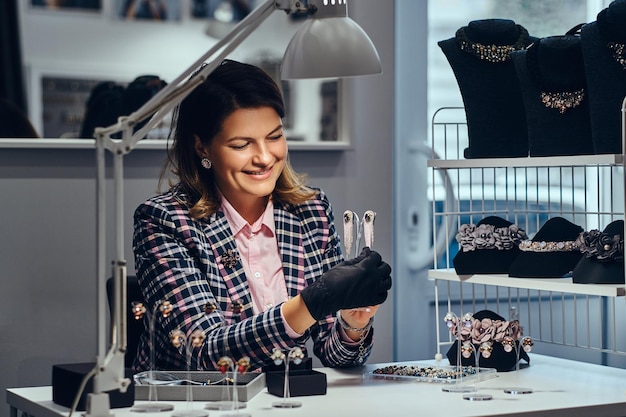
[360, 282]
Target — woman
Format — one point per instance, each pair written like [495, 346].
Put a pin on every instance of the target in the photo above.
[241, 248]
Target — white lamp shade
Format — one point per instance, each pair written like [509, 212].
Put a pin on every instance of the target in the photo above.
[330, 47]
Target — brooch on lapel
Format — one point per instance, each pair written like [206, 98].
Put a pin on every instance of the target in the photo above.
[237, 307]
[209, 308]
[229, 259]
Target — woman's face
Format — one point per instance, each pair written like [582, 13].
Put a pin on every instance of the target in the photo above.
[248, 155]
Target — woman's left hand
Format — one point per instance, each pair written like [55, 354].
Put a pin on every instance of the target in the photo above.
[357, 318]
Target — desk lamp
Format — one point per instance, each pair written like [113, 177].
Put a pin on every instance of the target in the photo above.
[329, 44]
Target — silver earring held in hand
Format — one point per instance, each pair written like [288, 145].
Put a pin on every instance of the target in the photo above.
[206, 163]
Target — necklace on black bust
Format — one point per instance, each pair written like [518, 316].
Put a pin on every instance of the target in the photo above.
[492, 53]
[554, 94]
[616, 42]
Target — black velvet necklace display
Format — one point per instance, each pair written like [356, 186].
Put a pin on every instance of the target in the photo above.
[562, 90]
[604, 51]
[552, 78]
[479, 55]
[616, 40]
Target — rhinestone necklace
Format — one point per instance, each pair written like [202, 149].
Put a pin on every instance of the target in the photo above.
[492, 53]
[559, 96]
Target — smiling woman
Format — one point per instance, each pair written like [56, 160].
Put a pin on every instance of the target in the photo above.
[243, 249]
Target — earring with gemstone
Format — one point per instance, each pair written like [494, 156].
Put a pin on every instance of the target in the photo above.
[206, 163]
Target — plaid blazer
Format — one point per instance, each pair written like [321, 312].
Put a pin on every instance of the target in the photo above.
[194, 265]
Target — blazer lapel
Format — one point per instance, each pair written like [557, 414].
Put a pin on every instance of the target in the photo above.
[238, 303]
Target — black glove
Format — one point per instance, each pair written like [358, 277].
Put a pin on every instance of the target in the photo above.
[359, 282]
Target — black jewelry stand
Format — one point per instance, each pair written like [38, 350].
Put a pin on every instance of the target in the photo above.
[303, 380]
[550, 131]
[606, 82]
[491, 95]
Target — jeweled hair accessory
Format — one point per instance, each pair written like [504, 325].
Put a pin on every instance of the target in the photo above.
[602, 246]
[487, 236]
[543, 246]
[492, 53]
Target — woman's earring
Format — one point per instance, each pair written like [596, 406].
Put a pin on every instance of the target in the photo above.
[206, 163]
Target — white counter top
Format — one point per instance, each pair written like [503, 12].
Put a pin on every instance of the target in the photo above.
[561, 387]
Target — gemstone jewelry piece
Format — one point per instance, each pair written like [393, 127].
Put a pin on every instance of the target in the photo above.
[527, 344]
[177, 338]
[618, 50]
[563, 100]
[166, 308]
[466, 350]
[450, 319]
[229, 259]
[492, 53]
[197, 338]
[243, 365]
[486, 349]
[138, 310]
[277, 356]
[508, 344]
[296, 355]
[223, 364]
[543, 246]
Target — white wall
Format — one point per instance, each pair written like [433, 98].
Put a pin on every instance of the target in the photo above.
[48, 205]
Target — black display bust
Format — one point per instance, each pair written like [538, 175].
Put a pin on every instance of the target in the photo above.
[606, 75]
[491, 95]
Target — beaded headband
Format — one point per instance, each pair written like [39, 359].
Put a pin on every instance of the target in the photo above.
[487, 236]
[543, 246]
[601, 246]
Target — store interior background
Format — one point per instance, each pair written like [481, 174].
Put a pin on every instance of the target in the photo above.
[48, 209]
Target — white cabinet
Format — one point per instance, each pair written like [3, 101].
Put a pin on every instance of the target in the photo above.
[585, 322]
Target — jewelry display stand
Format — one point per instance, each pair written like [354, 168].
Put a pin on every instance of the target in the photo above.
[526, 343]
[180, 341]
[295, 354]
[452, 322]
[225, 365]
[152, 406]
[239, 367]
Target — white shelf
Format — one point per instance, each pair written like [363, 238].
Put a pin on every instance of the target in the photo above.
[54, 143]
[551, 161]
[540, 284]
